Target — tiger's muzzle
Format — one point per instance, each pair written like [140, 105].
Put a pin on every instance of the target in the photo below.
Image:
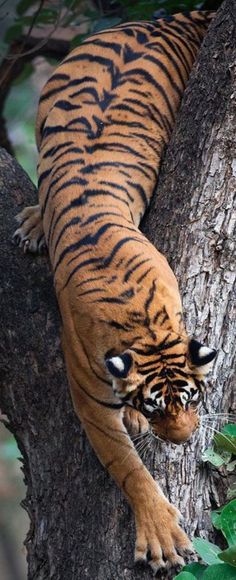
[175, 427]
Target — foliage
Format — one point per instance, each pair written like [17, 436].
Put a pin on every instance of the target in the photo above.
[26, 14]
[218, 564]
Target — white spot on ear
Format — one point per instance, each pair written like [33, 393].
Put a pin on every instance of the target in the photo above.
[204, 351]
[118, 363]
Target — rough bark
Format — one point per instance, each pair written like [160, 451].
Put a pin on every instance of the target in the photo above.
[81, 527]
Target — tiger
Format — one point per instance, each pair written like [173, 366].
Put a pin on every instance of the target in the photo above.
[105, 117]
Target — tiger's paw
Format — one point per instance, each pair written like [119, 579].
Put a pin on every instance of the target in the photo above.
[160, 537]
[30, 235]
[134, 421]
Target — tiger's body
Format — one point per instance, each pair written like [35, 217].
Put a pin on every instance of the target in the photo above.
[104, 118]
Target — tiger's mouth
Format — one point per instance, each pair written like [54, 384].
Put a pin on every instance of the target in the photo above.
[176, 428]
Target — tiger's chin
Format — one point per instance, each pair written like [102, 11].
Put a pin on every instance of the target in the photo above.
[176, 428]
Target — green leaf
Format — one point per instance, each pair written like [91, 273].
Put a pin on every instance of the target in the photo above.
[206, 550]
[47, 16]
[219, 572]
[231, 466]
[70, 3]
[195, 568]
[13, 32]
[231, 493]
[104, 23]
[229, 556]
[216, 518]
[23, 5]
[27, 71]
[185, 576]
[229, 429]
[76, 41]
[225, 442]
[215, 458]
[228, 522]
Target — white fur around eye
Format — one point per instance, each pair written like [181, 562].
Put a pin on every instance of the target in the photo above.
[195, 397]
[184, 397]
[117, 363]
[204, 351]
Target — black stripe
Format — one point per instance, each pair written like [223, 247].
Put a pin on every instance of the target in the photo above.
[178, 33]
[50, 93]
[104, 44]
[68, 151]
[116, 146]
[117, 186]
[87, 91]
[70, 162]
[73, 222]
[118, 325]
[141, 278]
[124, 107]
[91, 291]
[56, 148]
[170, 55]
[89, 239]
[97, 216]
[43, 176]
[99, 402]
[75, 203]
[65, 105]
[131, 270]
[88, 280]
[140, 190]
[151, 295]
[109, 436]
[131, 124]
[117, 164]
[164, 69]
[90, 58]
[150, 79]
[110, 300]
[64, 87]
[59, 77]
[54, 182]
[105, 261]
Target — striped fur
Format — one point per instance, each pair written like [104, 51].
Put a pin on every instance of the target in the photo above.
[104, 119]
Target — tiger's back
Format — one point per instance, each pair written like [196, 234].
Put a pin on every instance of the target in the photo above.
[106, 114]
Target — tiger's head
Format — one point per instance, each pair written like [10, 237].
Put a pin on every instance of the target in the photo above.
[165, 382]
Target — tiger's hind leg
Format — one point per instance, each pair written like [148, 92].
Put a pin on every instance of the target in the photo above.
[30, 234]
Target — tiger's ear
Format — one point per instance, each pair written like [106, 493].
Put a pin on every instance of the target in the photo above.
[201, 356]
[120, 366]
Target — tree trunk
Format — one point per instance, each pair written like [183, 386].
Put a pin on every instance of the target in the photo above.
[81, 527]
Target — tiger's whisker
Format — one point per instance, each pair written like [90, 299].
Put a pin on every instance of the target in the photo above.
[215, 415]
[220, 433]
[139, 435]
[141, 445]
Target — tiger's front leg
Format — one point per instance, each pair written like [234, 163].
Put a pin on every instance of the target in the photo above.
[157, 529]
[134, 421]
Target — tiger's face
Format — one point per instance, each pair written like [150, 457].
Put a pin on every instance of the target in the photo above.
[165, 382]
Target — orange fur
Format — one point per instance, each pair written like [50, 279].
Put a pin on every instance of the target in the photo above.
[104, 118]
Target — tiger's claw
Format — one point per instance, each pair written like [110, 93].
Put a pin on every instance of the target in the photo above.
[30, 235]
